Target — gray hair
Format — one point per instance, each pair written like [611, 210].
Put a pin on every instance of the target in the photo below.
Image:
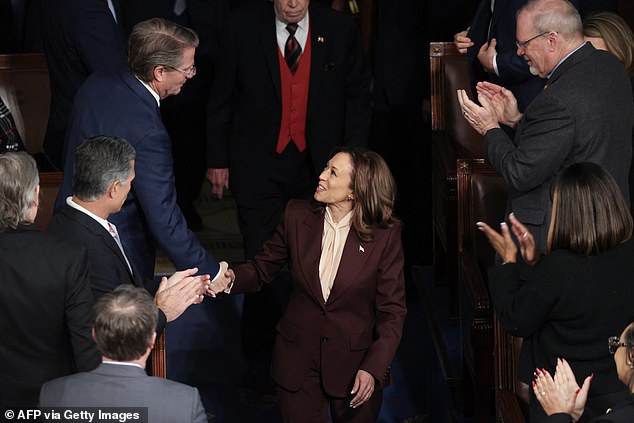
[157, 42]
[100, 161]
[124, 321]
[19, 179]
[554, 15]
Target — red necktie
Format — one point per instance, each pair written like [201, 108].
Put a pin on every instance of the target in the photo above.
[292, 49]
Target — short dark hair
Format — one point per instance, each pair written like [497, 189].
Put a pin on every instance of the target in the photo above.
[157, 42]
[99, 161]
[124, 321]
[18, 180]
[590, 214]
[373, 189]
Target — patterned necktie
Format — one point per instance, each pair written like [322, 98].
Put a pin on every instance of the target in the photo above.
[113, 231]
[292, 49]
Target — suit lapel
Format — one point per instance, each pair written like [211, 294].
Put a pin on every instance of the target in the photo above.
[355, 254]
[309, 248]
[268, 38]
[573, 60]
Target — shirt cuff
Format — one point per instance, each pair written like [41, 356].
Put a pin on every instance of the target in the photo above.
[495, 64]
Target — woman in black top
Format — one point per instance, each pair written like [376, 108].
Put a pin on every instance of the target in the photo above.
[575, 294]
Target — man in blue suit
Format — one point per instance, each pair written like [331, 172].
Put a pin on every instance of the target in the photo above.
[161, 60]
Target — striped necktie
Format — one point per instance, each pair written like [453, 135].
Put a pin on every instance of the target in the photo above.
[292, 49]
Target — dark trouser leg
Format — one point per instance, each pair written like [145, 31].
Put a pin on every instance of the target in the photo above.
[291, 177]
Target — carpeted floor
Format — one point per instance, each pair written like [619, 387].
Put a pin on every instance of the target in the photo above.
[203, 345]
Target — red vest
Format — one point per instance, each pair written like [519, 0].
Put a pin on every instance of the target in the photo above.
[294, 100]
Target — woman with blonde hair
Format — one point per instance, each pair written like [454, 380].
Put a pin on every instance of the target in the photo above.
[608, 31]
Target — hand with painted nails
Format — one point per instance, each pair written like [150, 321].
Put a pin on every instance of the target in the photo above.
[526, 241]
[565, 378]
[502, 242]
[363, 388]
[561, 394]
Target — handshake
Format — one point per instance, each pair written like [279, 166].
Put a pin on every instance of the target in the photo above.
[223, 283]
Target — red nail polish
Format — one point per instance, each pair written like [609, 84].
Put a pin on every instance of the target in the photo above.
[533, 382]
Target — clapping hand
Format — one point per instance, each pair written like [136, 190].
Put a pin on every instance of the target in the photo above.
[526, 240]
[181, 290]
[481, 118]
[503, 244]
[561, 394]
[223, 282]
[502, 101]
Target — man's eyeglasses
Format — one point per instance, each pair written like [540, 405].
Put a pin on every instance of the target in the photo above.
[614, 342]
[524, 44]
[189, 72]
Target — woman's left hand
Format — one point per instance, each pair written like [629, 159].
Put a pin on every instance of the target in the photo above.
[363, 388]
[502, 243]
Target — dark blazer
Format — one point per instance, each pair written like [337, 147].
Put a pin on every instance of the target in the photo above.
[585, 113]
[120, 105]
[513, 69]
[80, 37]
[360, 325]
[245, 102]
[112, 385]
[45, 304]
[621, 413]
[107, 268]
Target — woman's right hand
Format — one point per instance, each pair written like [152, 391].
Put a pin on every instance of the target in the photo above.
[502, 243]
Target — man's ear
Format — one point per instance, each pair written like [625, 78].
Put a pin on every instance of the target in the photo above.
[113, 188]
[158, 73]
[152, 341]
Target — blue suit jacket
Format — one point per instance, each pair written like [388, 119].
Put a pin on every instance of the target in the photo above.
[120, 105]
[80, 37]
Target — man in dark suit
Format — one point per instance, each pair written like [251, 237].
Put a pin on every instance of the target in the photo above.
[45, 298]
[123, 329]
[489, 44]
[291, 83]
[127, 105]
[80, 37]
[104, 171]
[585, 113]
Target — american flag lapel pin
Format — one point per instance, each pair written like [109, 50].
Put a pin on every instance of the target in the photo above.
[361, 249]
[320, 39]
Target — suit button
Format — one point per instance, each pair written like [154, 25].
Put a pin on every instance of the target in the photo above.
[324, 339]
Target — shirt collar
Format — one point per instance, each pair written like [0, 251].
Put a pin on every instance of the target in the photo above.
[151, 90]
[562, 60]
[281, 25]
[102, 222]
[344, 222]
[122, 363]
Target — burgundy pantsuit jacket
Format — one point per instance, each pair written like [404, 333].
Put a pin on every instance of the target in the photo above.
[360, 325]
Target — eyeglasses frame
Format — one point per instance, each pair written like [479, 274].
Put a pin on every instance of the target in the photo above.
[524, 44]
[188, 73]
[614, 342]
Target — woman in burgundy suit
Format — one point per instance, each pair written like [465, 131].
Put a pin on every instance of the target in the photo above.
[345, 316]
